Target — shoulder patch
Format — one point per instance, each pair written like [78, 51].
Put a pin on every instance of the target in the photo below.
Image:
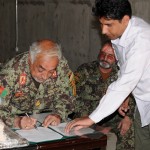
[23, 78]
[3, 92]
[72, 82]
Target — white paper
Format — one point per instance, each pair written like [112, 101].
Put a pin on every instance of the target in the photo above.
[39, 135]
[61, 128]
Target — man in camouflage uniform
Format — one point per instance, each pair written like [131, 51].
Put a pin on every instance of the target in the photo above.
[92, 81]
[36, 81]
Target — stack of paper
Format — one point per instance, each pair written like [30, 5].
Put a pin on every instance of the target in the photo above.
[61, 128]
[50, 133]
[39, 135]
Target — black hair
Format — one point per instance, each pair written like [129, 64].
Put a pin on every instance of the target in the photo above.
[112, 9]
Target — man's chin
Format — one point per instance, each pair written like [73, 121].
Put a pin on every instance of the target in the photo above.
[111, 37]
[105, 67]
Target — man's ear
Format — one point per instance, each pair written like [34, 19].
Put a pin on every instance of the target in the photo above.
[125, 20]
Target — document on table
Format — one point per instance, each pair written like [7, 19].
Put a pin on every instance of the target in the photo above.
[61, 128]
[50, 133]
[39, 135]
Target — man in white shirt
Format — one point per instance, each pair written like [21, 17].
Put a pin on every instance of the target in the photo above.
[130, 37]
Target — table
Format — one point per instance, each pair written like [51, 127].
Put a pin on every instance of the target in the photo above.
[87, 142]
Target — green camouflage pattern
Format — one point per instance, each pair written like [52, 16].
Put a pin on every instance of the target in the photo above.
[53, 95]
[125, 142]
[91, 88]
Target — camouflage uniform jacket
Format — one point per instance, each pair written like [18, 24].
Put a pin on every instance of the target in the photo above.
[91, 88]
[23, 96]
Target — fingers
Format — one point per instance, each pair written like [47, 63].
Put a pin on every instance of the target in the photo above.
[27, 123]
[77, 128]
[126, 102]
[52, 119]
[124, 130]
[122, 111]
[124, 108]
[70, 125]
[78, 124]
[125, 125]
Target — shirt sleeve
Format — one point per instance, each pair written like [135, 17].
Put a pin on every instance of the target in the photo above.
[131, 71]
[6, 113]
[64, 100]
[80, 78]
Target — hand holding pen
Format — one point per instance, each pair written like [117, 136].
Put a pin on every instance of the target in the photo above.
[28, 122]
[33, 120]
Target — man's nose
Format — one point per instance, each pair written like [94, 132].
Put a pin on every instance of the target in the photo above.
[105, 57]
[104, 29]
[45, 76]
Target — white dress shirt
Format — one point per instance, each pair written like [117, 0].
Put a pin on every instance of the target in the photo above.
[133, 53]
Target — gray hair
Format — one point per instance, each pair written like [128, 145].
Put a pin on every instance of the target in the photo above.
[36, 49]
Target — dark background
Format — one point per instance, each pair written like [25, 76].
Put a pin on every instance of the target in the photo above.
[68, 22]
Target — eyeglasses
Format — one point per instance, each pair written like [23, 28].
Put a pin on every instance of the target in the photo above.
[105, 55]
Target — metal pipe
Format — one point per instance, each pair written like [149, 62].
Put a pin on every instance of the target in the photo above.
[17, 26]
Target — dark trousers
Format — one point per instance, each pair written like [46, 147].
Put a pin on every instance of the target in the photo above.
[142, 134]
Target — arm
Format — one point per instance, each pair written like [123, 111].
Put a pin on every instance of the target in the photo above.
[124, 125]
[81, 75]
[131, 105]
[63, 99]
[24, 122]
[52, 119]
[127, 107]
[11, 105]
[127, 121]
[88, 88]
[131, 72]
[124, 107]
[5, 109]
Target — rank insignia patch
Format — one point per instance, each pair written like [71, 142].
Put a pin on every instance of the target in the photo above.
[23, 78]
[72, 82]
[37, 104]
[19, 94]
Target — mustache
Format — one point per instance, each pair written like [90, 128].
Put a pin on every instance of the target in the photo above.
[104, 64]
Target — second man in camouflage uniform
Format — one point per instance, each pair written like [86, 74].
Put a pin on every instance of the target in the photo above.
[93, 80]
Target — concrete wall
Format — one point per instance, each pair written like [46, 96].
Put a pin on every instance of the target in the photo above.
[69, 22]
[7, 29]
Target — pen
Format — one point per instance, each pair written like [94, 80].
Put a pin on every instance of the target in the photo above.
[29, 117]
